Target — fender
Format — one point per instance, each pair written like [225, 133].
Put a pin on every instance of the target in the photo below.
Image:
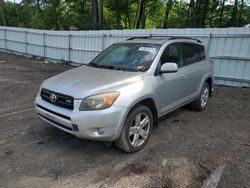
[207, 76]
[130, 106]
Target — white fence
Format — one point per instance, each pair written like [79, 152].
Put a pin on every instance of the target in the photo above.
[229, 48]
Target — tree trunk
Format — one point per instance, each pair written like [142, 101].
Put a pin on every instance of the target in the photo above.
[136, 15]
[56, 7]
[101, 13]
[2, 13]
[127, 16]
[234, 14]
[188, 15]
[240, 19]
[204, 14]
[95, 16]
[192, 13]
[38, 4]
[141, 18]
[118, 14]
[221, 12]
[197, 11]
[168, 10]
[82, 8]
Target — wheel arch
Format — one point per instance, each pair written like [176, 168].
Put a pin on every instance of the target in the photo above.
[150, 103]
[209, 80]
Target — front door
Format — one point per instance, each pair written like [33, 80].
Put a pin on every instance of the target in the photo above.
[171, 86]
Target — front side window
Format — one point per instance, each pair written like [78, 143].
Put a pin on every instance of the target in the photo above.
[190, 53]
[127, 56]
[172, 55]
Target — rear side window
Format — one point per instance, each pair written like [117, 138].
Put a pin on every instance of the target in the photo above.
[202, 52]
[190, 53]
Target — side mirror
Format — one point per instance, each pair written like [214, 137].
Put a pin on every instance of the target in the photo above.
[169, 67]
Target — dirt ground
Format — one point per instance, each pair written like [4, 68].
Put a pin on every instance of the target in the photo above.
[188, 149]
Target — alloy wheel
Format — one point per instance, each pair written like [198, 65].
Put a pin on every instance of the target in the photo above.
[139, 129]
[204, 97]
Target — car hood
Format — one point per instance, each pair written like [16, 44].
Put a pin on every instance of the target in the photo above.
[84, 81]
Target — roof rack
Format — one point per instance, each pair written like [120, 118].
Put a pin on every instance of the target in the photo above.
[180, 37]
[140, 37]
[161, 36]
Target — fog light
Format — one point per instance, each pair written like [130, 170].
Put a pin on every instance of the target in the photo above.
[100, 131]
[75, 127]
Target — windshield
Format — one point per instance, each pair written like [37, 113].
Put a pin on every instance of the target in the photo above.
[127, 57]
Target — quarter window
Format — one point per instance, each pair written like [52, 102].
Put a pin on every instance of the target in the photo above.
[202, 52]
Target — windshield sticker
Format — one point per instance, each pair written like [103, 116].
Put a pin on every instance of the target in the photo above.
[147, 49]
[140, 67]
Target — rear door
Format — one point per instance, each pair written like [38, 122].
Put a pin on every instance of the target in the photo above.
[192, 63]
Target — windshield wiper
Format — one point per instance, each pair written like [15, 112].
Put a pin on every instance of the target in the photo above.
[105, 66]
[93, 65]
[111, 67]
[117, 68]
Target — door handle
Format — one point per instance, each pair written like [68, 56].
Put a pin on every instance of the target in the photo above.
[184, 75]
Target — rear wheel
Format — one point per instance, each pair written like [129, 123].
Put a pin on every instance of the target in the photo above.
[136, 130]
[201, 102]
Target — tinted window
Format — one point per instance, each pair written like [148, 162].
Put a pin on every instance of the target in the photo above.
[190, 53]
[202, 52]
[171, 54]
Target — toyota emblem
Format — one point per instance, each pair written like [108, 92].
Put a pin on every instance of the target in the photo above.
[53, 97]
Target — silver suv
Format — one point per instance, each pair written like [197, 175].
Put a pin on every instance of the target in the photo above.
[120, 95]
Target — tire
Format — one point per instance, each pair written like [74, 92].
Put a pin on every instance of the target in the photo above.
[136, 130]
[201, 101]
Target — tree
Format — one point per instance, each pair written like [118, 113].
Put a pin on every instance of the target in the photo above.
[53, 14]
[124, 14]
[127, 16]
[141, 16]
[240, 17]
[2, 12]
[101, 13]
[167, 12]
[95, 17]
[221, 12]
[118, 14]
[234, 13]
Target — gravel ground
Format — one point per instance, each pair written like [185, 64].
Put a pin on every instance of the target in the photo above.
[188, 149]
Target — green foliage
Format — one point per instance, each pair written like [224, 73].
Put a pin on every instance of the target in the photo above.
[37, 21]
[123, 14]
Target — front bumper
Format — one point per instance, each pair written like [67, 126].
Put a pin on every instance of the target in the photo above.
[84, 124]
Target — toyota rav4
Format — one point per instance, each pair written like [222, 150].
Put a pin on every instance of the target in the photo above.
[121, 93]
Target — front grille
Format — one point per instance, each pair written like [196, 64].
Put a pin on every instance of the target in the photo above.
[58, 99]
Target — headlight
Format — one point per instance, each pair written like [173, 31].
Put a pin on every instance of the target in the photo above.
[99, 102]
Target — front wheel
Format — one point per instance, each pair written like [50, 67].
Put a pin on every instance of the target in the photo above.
[136, 130]
[201, 102]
